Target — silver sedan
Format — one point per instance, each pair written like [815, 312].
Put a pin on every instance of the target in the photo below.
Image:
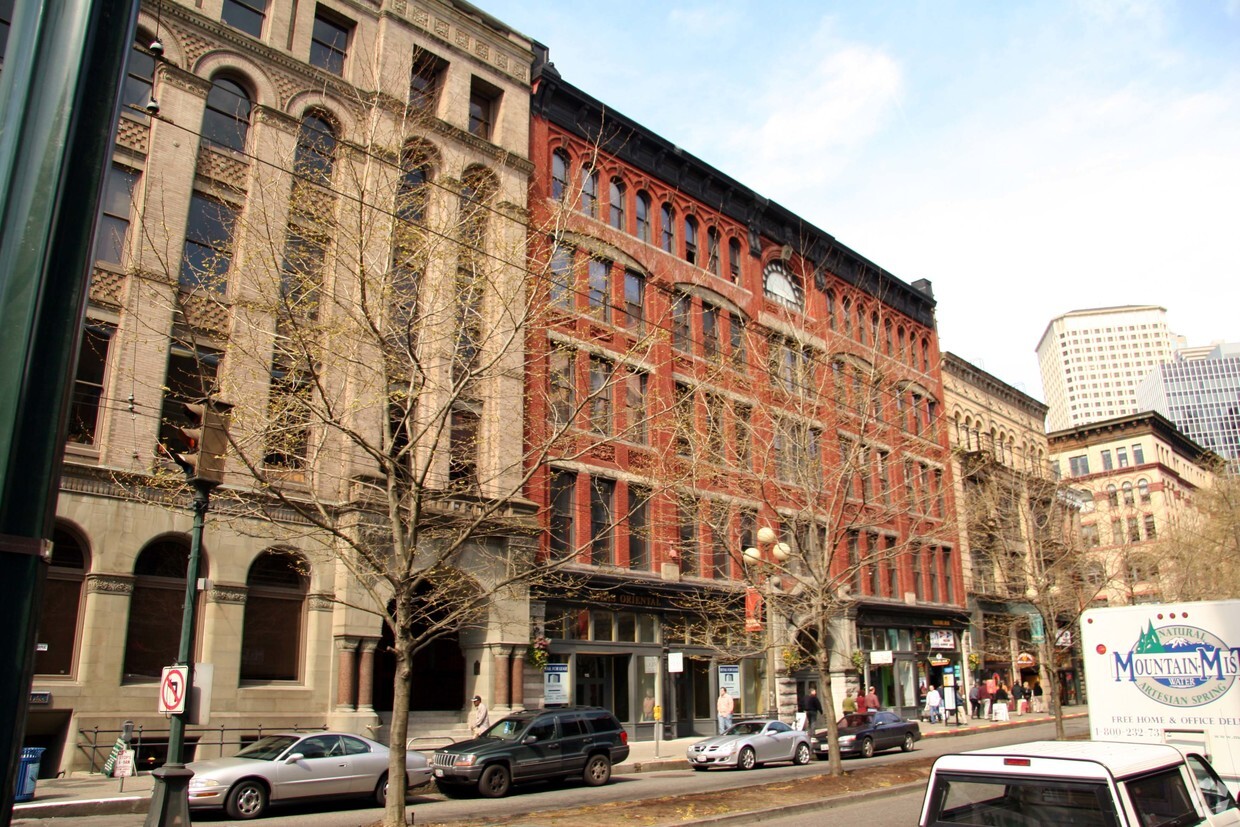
[298, 766]
[750, 743]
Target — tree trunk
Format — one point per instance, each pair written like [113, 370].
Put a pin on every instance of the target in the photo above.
[828, 711]
[398, 787]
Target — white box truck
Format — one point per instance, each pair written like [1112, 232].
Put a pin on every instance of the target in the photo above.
[1167, 673]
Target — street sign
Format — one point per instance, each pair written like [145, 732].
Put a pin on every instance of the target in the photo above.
[173, 689]
[124, 764]
[675, 661]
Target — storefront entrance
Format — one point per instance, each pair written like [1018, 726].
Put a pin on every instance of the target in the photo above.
[603, 680]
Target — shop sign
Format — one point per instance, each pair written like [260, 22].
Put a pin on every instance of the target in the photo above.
[675, 661]
[939, 660]
[753, 610]
[881, 657]
[41, 698]
[1064, 638]
[555, 683]
[942, 639]
[730, 678]
[1025, 660]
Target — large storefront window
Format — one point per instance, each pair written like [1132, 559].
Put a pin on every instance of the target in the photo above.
[900, 659]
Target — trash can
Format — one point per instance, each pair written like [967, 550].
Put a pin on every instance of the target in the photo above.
[27, 772]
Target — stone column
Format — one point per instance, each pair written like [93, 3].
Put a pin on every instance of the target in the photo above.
[499, 677]
[346, 673]
[366, 675]
[518, 679]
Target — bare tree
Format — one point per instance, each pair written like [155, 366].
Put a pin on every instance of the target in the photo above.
[1199, 554]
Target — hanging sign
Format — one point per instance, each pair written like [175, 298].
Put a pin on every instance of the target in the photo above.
[555, 683]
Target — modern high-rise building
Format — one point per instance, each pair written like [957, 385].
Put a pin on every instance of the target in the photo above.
[1200, 393]
[1093, 360]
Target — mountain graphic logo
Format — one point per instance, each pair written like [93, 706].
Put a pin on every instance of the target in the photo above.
[1178, 665]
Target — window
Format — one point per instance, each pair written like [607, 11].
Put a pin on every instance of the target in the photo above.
[245, 15]
[919, 586]
[139, 78]
[113, 231]
[1122, 455]
[668, 228]
[562, 277]
[712, 250]
[736, 332]
[561, 391]
[208, 245]
[714, 436]
[1134, 530]
[615, 199]
[1138, 455]
[88, 383]
[734, 260]
[288, 423]
[639, 529]
[710, 332]
[634, 300]
[720, 565]
[687, 547]
[893, 567]
[682, 412]
[463, 447]
[602, 500]
[589, 191]
[599, 293]
[1117, 531]
[600, 395]
[316, 150]
[781, 286]
[635, 390]
[563, 508]
[1089, 535]
[1128, 498]
[643, 217]
[329, 42]
[62, 600]
[1143, 491]
[1112, 496]
[691, 239]
[1079, 466]
[483, 106]
[949, 586]
[559, 174]
[151, 642]
[275, 602]
[226, 119]
[424, 83]
[682, 337]
[1106, 460]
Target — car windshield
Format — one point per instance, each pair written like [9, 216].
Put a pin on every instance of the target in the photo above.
[267, 748]
[746, 728]
[507, 729]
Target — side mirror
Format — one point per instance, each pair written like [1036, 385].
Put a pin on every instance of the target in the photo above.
[294, 758]
[529, 739]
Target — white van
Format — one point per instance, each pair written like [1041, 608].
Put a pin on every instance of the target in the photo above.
[1076, 784]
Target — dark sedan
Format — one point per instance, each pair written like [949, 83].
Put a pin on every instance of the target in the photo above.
[866, 734]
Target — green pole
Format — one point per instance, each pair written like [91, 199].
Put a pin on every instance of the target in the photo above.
[170, 796]
[63, 66]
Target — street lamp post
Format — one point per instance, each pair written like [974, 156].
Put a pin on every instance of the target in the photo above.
[769, 553]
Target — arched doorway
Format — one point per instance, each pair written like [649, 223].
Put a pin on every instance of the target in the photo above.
[438, 670]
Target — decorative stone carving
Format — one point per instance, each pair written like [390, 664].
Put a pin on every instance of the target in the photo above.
[228, 594]
[109, 584]
[320, 603]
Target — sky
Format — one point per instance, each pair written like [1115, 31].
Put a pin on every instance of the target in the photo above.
[1028, 158]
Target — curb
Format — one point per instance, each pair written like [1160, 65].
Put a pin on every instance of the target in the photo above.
[126, 805]
[756, 816]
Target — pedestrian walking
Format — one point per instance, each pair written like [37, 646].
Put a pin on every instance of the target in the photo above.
[863, 702]
[1018, 697]
[871, 700]
[934, 705]
[975, 701]
[1039, 702]
[479, 718]
[850, 703]
[723, 709]
[813, 708]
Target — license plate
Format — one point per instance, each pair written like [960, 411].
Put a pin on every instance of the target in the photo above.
[439, 773]
[701, 759]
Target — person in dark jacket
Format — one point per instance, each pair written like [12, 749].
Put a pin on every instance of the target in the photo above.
[813, 708]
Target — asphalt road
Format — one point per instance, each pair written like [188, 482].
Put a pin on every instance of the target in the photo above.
[433, 809]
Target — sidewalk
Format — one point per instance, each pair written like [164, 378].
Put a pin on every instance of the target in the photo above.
[93, 794]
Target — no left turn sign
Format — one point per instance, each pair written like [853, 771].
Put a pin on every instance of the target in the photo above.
[173, 687]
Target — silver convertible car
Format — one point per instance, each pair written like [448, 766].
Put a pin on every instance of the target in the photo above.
[750, 743]
[291, 766]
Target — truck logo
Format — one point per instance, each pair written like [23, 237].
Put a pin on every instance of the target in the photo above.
[1178, 665]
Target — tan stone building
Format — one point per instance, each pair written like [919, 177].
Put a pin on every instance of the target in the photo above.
[1138, 475]
[1010, 512]
[222, 96]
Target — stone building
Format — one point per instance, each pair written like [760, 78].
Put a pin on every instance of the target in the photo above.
[717, 366]
[247, 122]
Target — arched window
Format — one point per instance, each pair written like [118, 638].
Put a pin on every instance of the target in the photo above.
[153, 636]
[62, 600]
[846, 306]
[1128, 498]
[616, 201]
[271, 642]
[691, 239]
[316, 149]
[409, 248]
[781, 286]
[559, 174]
[1143, 490]
[226, 121]
[734, 260]
[139, 88]
[888, 347]
[668, 229]
[643, 217]
[1112, 496]
[589, 191]
[411, 192]
[925, 355]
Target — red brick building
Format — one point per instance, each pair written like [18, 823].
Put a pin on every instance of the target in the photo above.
[711, 364]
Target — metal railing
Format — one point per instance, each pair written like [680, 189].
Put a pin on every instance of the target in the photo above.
[150, 744]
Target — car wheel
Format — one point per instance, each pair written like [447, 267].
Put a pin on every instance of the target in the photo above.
[597, 771]
[867, 748]
[380, 794]
[247, 799]
[747, 760]
[802, 754]
[495, 781]
[907, 745]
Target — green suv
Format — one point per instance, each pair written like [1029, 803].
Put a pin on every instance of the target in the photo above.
[534, 745]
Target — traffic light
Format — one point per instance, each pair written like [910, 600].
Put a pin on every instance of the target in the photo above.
[205, 437]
